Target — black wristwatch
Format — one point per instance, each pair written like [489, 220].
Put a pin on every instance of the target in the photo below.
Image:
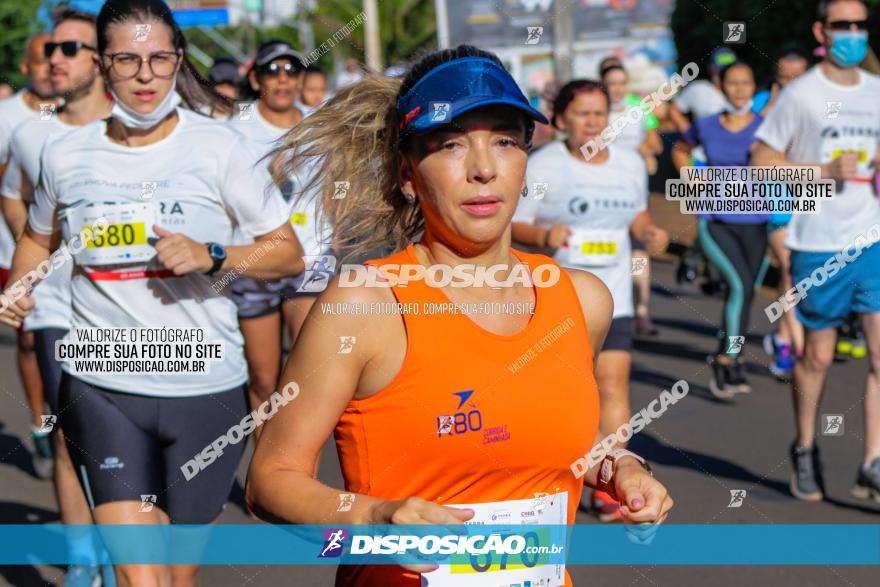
[218, 255]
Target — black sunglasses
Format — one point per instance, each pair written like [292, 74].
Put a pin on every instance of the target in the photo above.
[68, 48]
[845, 25]
[276, 68]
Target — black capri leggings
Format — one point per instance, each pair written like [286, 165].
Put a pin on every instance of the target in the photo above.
[125, 446]
[738, 251]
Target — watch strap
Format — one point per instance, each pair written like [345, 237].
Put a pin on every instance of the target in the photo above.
[605, 478]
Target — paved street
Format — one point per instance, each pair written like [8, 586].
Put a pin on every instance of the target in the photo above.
[700, 448]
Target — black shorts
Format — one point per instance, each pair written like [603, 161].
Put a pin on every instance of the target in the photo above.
[620, 335]
[255, 298]
[50, 369]
[125, 447]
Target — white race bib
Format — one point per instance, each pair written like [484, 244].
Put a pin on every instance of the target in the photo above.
[494, 569]
[590, 247]
[125, 240]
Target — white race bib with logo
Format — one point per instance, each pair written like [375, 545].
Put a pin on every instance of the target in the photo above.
[589, 247]
[496, 569]
[126, 237]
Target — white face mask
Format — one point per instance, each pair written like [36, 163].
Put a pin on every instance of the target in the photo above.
[744, 109]
[133, 119]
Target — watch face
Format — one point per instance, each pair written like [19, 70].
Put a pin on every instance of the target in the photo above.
[217, 251]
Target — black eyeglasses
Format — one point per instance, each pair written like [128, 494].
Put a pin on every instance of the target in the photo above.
[845, 25]
[68, 48]
[275, 69]
[127, 65]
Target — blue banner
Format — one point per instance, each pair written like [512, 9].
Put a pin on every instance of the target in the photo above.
[747, 544]
[185, 17]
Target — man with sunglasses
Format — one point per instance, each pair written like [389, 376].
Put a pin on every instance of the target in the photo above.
[77, 81]
[30, 103]
[275, 78]
[830, 118]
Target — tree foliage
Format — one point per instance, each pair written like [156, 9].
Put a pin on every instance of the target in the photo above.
[18, 21]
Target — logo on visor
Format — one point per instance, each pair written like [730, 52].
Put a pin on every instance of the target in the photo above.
[440, 111]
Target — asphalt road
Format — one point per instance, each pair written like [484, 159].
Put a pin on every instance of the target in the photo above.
[701, 449]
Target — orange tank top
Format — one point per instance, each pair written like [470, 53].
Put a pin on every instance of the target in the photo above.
[473, 416]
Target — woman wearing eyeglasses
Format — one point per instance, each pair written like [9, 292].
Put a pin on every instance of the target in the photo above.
[263, 305]
[171, 185]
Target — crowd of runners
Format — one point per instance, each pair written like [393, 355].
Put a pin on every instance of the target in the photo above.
[146, 205]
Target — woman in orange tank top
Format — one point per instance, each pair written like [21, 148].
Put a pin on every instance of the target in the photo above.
[458, 371]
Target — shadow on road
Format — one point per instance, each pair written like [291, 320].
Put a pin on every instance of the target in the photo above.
[13, 452]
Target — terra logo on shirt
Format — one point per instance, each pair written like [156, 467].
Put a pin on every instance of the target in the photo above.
[461, 422]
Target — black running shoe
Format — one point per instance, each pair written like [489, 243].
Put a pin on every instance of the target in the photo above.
[738, 378]
[868, 483]
[720, 385]
[806, 478]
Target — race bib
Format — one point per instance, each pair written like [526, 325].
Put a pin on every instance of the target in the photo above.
[524, 568]
[863, 147]
[299, 219]
[126, 238]
[595, 248]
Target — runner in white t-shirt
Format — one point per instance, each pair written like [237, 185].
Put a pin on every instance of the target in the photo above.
[584, 212]
[702, 98]
[170, 186]
[830, 118]
[25, 105]
[77, 79]
[276, 76]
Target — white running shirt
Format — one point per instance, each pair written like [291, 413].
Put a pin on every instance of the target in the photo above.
[598, 202]
[701, 98]
[813, 121]
[52, 295]
[13, 111]
[302, 215]
[203, 181]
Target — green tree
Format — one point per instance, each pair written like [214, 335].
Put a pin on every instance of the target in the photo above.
[697, 26]
[18, 21]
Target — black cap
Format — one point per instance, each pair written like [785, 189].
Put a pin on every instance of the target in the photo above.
[224, 71]
[272, 50]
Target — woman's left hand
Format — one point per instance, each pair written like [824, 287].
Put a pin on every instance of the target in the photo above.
[643, 499]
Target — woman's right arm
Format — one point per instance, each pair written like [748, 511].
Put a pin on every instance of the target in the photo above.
[281, 482]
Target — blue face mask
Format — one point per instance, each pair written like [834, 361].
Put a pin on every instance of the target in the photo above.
[849, 47]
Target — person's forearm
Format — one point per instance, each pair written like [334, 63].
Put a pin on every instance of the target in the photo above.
[681, 155]
[529, 234]
[641, 225]
[769, 158]
[29, 253]
[279, 256]
[15, 213]
[680, 120]
[293, 497]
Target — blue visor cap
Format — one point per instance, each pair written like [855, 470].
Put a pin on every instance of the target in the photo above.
[451, 89]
